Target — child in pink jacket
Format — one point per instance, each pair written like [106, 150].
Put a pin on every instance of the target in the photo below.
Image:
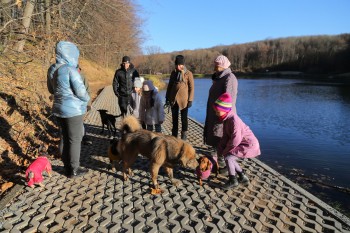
[238, 141]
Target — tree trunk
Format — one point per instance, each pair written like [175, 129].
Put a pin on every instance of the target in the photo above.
[4, 18]
[47, 17]
[27, 16]
[48, 31]
[75, 25]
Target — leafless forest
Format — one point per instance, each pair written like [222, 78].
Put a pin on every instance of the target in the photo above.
[103, 30]
[313, 54]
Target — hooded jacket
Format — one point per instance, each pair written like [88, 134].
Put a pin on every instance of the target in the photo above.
[224, 81]
[153, 115]
[238, 139]
[135, 103]
[66, 84]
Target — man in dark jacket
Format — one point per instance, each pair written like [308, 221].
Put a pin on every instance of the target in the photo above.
[123, 83]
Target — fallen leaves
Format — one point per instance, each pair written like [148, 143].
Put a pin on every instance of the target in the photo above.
[6, 186]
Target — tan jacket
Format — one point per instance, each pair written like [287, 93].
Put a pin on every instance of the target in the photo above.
[180, 91]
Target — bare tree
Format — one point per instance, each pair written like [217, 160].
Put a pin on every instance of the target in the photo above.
[27, 15]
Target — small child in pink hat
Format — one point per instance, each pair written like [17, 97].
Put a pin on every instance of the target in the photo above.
[238, 141]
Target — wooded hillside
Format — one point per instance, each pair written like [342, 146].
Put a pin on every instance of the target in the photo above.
[104, 32]
[312, 54]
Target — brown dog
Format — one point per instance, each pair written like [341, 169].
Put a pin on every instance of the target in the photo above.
[115, 157]
[119, 149]
[206, 166]
[162, 150]
[168, 152]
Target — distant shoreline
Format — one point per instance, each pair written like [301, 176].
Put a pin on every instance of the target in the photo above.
[322, 79]
[343, 78]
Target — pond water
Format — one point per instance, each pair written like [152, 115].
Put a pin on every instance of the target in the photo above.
[303, 129]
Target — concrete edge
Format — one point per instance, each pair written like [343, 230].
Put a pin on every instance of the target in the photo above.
[315, 199]
[9, 196]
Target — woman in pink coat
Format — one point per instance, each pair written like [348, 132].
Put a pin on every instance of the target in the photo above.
[238, 141]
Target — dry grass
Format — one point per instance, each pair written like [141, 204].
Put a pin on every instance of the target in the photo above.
[157, 81]
[97, 76]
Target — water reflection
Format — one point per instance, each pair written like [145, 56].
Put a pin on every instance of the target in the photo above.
[343, 90]
[299, 124]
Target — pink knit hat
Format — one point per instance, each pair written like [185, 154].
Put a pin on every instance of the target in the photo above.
[222, 61]
[223, 103]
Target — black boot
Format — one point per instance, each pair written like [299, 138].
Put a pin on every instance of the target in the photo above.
[67, 171]
[242, 178]
[174, 132]
[232, 183]
[78, 172]
[222, 165]
[86, 140]
[184, 135]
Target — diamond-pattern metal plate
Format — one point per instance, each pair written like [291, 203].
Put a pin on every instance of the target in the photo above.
[101, 202]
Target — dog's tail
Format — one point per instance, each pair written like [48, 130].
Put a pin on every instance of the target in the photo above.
[116, 116]
[130, 124]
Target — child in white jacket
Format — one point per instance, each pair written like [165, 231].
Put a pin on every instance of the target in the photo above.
[136, 97]
[151, 107]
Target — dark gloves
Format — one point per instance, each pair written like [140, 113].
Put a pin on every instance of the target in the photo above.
[167, 103]
[189, 104]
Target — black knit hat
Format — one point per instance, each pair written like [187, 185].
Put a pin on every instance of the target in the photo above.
[126, 59]
[179, 60]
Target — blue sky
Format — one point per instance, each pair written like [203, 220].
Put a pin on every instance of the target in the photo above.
[175, 25]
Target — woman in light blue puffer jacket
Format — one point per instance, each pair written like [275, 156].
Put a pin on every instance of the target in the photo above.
[70, 103]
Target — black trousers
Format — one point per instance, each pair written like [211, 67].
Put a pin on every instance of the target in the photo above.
[175, 117]
[72, 132]
[123, 102]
